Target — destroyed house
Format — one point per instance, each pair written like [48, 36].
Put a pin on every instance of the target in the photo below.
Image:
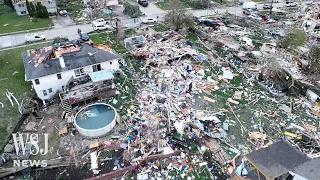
[59, 68]
[275, 161]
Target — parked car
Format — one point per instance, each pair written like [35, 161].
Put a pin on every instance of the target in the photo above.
[84, 36]
[199, 19]
[211, 23]
[143, 3]
[99, 27]
[250, 5]
[149, 20]
[34, 37]
[255, 17]
[99, 22]
[291, 4]
[247, 11]
[63, 13]
[267, 6]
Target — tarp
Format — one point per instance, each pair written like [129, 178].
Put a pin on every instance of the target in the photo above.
[101, 75]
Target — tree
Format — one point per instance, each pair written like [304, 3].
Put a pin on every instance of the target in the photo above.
[30, 10]
[178, 17]
[41, 11]
[131, 10]
[8, 3]
[314, 60]
[293, 39]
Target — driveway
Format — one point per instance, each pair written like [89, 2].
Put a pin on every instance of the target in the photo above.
[151, 9]
[62, 21]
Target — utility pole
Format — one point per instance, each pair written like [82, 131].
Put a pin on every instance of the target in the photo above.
[271, 7]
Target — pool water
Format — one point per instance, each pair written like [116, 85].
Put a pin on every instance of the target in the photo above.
[95, 117]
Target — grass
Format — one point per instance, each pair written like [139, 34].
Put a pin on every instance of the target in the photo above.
[165, 4]
[159, 27]
[109, 38]
[191, 37]
[74, 8]
[14, 23]
[259, 0]
[11, 61]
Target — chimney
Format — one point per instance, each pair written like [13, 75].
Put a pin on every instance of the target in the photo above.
[62, 64]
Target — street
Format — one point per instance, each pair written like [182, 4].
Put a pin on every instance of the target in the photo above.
[152, 11]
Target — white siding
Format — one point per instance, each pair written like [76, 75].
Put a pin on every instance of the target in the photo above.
[52, 81]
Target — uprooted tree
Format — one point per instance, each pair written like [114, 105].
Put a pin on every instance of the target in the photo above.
[131, 10]
[293, 39]
[178, 17]
[314, 60]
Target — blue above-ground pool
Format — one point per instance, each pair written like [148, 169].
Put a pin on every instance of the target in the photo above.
[95, 120]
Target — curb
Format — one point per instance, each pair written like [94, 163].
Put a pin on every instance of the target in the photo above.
[26, 31]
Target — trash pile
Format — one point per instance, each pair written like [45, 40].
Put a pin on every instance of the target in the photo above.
[176, 110]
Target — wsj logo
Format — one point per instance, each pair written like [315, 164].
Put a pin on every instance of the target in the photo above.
[29, 146]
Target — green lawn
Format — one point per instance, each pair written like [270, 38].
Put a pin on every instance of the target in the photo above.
[11, 61]
[165, 4]
[110, 39]
[74, 8]
[159, 27]
[11, 22]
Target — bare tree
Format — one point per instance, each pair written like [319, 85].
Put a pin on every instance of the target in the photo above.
[178, 17]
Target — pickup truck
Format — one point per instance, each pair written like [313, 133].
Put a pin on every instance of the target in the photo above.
[34, 37]
[99, 22]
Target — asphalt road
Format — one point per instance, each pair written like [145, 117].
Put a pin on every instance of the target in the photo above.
[151, 11]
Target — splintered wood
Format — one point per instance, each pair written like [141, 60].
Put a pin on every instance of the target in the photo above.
[209, 99]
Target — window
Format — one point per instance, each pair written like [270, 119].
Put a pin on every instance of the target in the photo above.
[110, 62]
[49, 2]
[50, 90]
[21, 5]
[79, 72]
[62, 87]
[59, 76]
[96, 67]
[44, 92]
[23, 12]
[37, 81]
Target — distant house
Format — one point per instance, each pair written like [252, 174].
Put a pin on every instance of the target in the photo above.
[58, 68]
[21, 7]
[307, 171]
[275, 161]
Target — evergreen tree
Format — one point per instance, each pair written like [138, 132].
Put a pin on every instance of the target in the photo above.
[8, 3]
[33, 10]
[29, 9]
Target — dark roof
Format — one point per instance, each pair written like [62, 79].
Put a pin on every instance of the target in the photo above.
[277, 159]
[42, 61]
[309, 169]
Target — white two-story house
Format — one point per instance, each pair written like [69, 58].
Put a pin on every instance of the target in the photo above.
[51, 68]
[21, 7]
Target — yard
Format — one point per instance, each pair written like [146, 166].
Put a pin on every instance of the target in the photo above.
[109, 38]
[11, 78]
[165, 4]
[11, 22]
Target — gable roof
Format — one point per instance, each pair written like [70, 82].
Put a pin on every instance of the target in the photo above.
[44, 61]
[277, 159]
[309, 169]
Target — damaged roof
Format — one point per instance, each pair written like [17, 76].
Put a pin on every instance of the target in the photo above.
[277, 159]
[309, 169]
[44, 61]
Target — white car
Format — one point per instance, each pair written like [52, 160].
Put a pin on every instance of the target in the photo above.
[98, 27]
[99, 22]
[291, 4]
[149, 20]
[255, 16]
[34, 37]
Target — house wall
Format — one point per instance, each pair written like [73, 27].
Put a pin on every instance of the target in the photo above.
[297, 177]
[21, 8]
[51, 6]
[52, 81]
